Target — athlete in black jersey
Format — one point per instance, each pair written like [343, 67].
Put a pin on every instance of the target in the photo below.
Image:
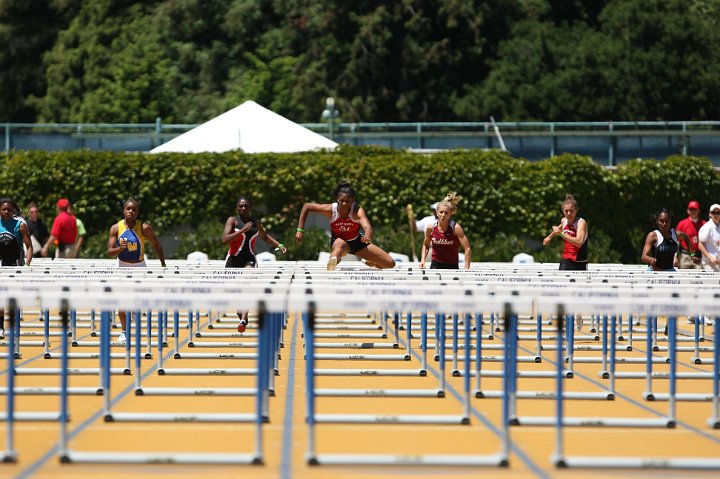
[241, 232]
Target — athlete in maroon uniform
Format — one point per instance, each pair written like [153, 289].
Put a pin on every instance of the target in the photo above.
[346, 218]
[574, 232]
[446, 236]
[241, 232]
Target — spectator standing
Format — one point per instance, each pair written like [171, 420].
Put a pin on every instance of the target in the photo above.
[63, 233]
[689, 256]
[709, 240]
[422, 224]
[39, 233]
[81, 232]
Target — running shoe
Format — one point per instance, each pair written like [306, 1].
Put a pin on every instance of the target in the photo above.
[241, 326]
[2, 334]
[332, 263]
[578, 322]
[122, 339]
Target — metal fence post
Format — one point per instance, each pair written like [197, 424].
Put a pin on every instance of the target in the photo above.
[158, 130]
[552, 139]
[685, 139]
[611, 145]
[7, 138]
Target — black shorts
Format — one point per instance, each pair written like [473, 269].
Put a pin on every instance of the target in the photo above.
[355, 244]
[570, 265]
[439, 265]
[241, 260]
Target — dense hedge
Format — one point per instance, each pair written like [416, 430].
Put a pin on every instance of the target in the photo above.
[509, 205]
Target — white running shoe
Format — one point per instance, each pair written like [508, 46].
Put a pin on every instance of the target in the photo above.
[122, 339]
[2, 334]
[332, 263]
[708, 321]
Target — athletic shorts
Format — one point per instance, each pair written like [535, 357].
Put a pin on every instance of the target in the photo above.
[125, 264]
[355, 244]
[241, 260]
[570, 265]
[439, 265]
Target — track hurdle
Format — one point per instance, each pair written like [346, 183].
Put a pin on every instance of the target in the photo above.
[561, 460]
[10, 455]
[257, 418]
[310, 306]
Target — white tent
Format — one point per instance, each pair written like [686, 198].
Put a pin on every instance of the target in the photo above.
[250, 128]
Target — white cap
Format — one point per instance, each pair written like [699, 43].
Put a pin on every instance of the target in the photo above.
[523, 258]
[714, 207]
[434, 205]
[197, 257]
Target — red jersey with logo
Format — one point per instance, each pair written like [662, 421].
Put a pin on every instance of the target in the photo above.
[345, 228]
[445, 244]
[570, 251]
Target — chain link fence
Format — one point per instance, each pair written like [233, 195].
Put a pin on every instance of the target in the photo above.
[608, 143]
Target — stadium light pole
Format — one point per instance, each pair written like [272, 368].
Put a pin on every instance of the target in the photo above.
[329, 114]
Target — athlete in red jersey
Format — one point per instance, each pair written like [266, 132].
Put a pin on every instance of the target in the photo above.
[446, 237]
[574, 232]
[346, 218]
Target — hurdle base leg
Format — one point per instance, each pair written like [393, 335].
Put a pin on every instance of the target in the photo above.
[714, 422]
[648, 396]
[9, 457]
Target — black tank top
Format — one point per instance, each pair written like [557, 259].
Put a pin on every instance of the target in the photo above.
[664, 250]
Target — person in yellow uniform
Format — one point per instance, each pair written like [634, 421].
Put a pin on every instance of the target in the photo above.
[127, 243]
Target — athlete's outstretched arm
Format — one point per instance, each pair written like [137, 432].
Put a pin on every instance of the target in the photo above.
[28, 244]
[324, 209]
[148, 232]
[460, 233]
[365, 224]
[269, 239]
[650, 240]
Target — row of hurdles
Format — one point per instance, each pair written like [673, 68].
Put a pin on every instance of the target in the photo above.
[489, 308]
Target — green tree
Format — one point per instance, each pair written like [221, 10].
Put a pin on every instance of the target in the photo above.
[28, 28]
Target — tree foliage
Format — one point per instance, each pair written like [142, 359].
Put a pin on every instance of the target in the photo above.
[403, 60]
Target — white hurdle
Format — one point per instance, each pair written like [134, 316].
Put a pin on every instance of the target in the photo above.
[411, 300]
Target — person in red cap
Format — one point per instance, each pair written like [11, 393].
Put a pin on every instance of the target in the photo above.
[63, 233]
[689, 254]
